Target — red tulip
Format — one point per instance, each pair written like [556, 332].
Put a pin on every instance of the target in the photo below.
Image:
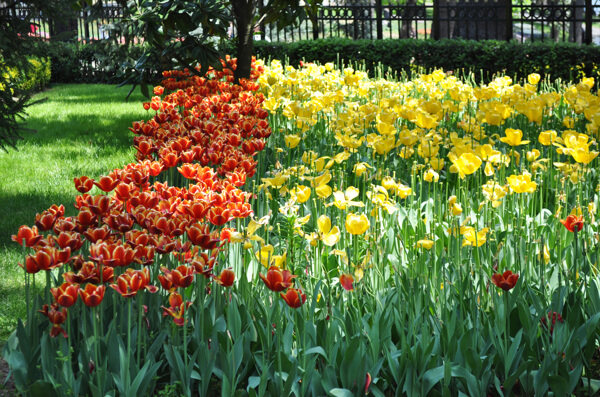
[177, 308]
[506, 281]
[278, 280]
[98, 234]
[30, 235]
[90, 273]
[200, 234]
[218, 216]
[294, 297]
[347, 282]
[106, 183]
[367, 383]
[56, 317]
[83, 184]
[226, 278]
[73, 240]
[66, 294]
[92, 295]
[573, 222]
[129, 283]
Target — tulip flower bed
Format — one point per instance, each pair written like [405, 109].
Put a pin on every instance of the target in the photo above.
[417, 237]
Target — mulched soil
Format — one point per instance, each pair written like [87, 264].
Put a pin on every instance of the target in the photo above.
[6, 389]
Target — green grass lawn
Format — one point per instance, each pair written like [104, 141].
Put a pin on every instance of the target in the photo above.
[81, 130]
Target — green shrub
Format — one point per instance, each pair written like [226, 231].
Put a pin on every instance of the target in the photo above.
[567, 61]
[103, 62]
[97, 62]
[33, 77]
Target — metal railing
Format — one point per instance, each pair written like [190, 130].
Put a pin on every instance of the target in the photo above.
[567, 20]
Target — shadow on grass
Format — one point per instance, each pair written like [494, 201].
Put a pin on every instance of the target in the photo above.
[92, 94]
[23, 207]
[106, 132]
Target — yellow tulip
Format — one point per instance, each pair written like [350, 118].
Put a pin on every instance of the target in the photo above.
[301, 193]
[533, 78]
[323, 191]
[472, 238]
[548, 137]
[330, 236]
[344, 199]
[431, 175]
[456, 209]
[361, 168]
[583, 156]
[513, 137]
[532, 155]
[403, 191]
[425, 243]
[466, 164]
[436, 163]
[265, 255]
[357, 224]
[292, 140]
[545, 253]
[522, 183]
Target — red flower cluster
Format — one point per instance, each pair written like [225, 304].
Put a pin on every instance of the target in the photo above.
[278, 280]
[193, 154]
[553, 317]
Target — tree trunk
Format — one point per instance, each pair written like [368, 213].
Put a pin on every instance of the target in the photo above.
[576, 26]
[406, 30]
[446, 24]
[243, 11]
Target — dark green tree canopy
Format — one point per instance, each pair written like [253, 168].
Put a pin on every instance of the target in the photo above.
[184, 33]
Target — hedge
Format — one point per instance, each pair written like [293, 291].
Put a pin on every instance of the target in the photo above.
[566, 61]
[103, 62]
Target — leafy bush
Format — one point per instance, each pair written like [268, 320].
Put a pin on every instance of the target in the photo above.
[35, 76]
[566, 61]
[98, 62]
[104, 62]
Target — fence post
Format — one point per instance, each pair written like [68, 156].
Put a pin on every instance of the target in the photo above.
[509, 21]
[379, 16]
[588, 21]
[435, 28]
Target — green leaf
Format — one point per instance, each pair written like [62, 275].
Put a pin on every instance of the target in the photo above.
[337, 392]
[253, 382]
[316, 350]
[42, 389]
[558, 385]
[431, 378]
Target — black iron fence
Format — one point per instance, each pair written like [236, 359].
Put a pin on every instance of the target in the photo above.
[568, 20]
